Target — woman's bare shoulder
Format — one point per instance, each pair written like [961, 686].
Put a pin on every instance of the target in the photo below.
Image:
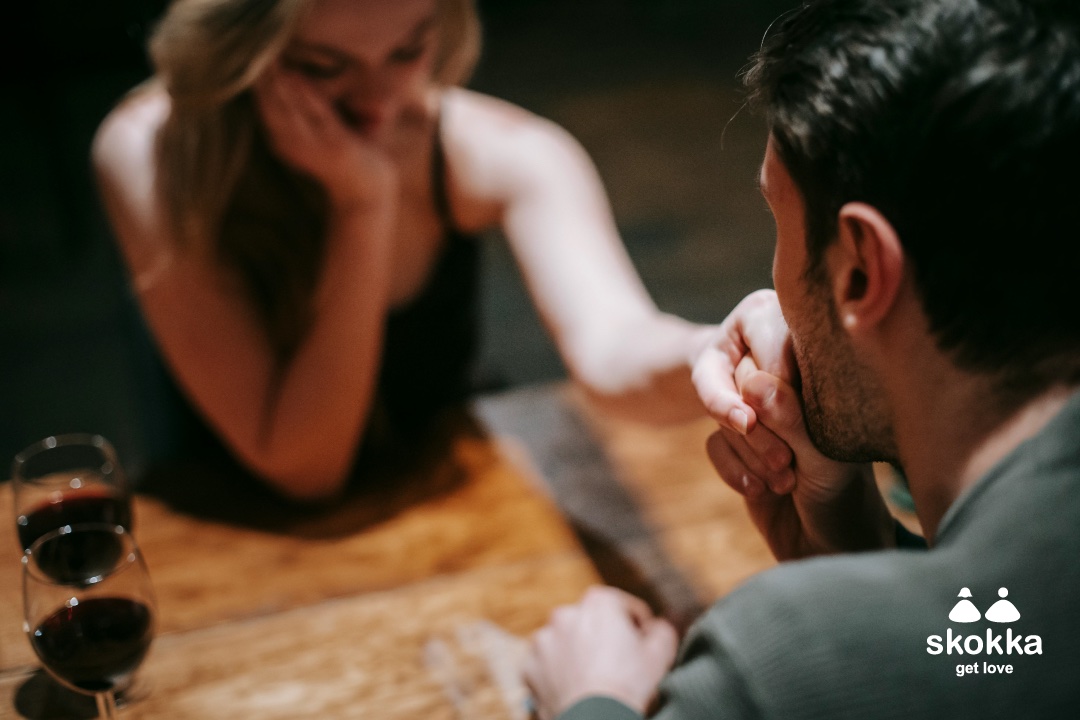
[495, 146]
[491, 111]
[480, 121]
[124, 162]
[124, 141]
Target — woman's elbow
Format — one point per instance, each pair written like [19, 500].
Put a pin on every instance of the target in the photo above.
[307, 481]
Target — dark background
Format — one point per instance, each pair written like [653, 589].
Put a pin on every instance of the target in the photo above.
[649, 88]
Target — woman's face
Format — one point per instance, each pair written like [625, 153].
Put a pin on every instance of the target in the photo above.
[368, 58]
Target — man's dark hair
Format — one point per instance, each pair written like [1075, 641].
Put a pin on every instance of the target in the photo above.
[960, 121]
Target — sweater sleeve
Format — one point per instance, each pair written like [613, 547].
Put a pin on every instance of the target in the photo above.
[599, 707]
[705, 683]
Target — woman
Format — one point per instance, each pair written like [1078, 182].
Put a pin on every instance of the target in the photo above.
[294, 193]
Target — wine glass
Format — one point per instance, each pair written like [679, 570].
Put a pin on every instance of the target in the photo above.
[68, 479]
[89, 608]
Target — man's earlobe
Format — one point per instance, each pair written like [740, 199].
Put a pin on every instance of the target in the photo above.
[868, 266]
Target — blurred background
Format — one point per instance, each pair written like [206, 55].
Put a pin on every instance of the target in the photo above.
[649, 87]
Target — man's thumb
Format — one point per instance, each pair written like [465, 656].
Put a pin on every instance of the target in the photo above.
[779, 408]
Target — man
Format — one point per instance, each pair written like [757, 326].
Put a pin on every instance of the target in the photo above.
[921, 172]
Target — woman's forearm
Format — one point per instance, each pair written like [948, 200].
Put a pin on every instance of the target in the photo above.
[321, 399]
[295, 424]
[642, 370]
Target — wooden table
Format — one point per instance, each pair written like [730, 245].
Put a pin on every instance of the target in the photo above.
[413, 597]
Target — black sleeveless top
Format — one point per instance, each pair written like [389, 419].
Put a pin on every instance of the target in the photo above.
[428, 350]
[430, 343]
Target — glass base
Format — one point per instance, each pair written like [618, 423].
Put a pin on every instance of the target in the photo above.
[41, 697]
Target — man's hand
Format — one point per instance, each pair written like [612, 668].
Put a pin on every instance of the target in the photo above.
[833, 507]
[754, 329]
[608, 644]
[802, 502]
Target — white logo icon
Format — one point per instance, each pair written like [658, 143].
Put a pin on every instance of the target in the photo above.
[965, 610]
[992, 643]
[1002, 611]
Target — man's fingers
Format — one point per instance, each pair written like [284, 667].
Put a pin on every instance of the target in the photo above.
[775, 456]
[730, 466]
[606, 599]
[661, 641]
[763, 331]
[750, 458]
[780, 409]
[532, 674]
[746, 367]
[766, 454]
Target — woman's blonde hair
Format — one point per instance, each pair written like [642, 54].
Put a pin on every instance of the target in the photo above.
[224, 192]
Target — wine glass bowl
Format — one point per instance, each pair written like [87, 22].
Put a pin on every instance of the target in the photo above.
[68, 479]
[75, 558]
[89, 608]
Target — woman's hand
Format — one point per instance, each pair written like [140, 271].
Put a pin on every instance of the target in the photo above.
[824, 506]
[754, 329]
[307, 134]
[802, 502]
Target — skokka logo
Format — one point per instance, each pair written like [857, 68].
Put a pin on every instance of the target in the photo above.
[1001, 612]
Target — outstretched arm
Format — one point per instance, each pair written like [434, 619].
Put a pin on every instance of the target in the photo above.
[530, 177]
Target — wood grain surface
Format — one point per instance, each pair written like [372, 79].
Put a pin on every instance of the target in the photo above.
[412, 597]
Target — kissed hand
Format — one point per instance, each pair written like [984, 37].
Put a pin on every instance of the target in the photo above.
[802, 502]
[831, 506]
[754, 329]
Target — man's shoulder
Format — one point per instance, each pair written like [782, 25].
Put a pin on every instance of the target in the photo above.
[875, 634]
[879, 591]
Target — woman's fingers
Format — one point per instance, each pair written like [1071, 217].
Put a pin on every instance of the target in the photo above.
[289, 135]
[754, 330]
[714, 379]
[307, 103]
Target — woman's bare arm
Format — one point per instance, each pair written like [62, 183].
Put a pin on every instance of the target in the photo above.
[533, 178]
[296, 426]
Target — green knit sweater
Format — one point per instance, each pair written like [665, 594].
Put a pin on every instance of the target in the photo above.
[870, 636]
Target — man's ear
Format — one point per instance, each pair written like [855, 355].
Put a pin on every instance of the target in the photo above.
[867, 263]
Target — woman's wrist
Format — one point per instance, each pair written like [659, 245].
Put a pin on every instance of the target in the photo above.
[368, 185]
[359, 249]
[352, 199]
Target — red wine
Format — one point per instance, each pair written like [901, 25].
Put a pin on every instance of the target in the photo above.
[87, 506]
[97, 644]
[76, 557]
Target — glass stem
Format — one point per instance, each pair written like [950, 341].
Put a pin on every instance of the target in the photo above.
[106, 705]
